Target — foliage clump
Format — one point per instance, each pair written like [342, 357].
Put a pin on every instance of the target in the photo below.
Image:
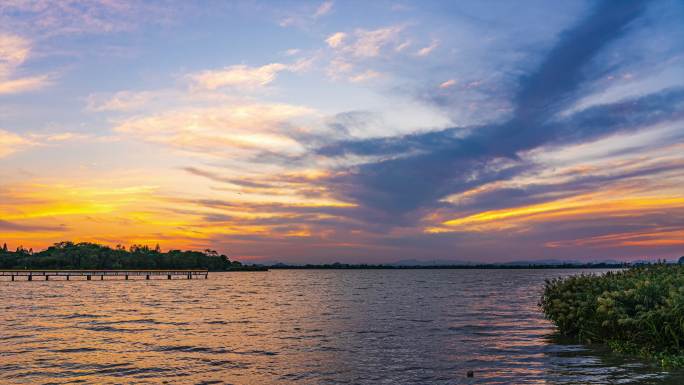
[639, 310]
[86, 256]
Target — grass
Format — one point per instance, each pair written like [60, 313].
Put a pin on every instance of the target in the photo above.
[638, 311]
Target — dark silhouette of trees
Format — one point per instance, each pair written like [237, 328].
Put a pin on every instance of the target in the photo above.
[69, 255]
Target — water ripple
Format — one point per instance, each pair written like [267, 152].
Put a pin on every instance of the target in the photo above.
[307, 327]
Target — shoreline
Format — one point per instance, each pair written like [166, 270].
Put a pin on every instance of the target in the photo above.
[444, 267]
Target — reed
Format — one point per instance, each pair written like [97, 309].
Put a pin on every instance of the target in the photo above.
[637, 311]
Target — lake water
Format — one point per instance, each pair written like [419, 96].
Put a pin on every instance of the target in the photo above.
[299, 326]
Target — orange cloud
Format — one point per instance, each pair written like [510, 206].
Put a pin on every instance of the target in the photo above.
[588, 204]
[662, 237]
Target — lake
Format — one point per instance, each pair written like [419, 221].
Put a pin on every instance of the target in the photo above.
[300, 326]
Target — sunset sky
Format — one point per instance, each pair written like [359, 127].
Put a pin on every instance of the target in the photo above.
[349, 131]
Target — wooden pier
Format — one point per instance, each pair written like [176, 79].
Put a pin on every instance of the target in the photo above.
[67, 275]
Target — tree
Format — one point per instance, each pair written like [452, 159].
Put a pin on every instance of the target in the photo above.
[4, 247]
[681, 260]
[84, 255]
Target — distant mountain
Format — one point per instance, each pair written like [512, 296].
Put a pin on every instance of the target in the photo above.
[452, 262]
[443, 262]
[266, 262]
[542, 262]
[432, 262]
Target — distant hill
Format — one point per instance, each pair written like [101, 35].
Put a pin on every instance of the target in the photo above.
[432, 262]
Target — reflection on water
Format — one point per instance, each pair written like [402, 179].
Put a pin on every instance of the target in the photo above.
[323, 326]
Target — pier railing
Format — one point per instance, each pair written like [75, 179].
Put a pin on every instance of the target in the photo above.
[89, 274]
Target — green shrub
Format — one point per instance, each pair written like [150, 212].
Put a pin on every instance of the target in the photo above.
[635, 311]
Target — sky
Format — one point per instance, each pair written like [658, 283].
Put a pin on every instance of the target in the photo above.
[348, 131]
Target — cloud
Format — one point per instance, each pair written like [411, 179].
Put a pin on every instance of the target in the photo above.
[265, 178]
[323, 9]
[17, 227]
[428, 49]
[231, 130]
[335, 40]
[245, 77]
[364, 76]
[369, 42]
[420, 170]
[447, 84]
[13, 86]
[119, 101]
[75, 17]
[302, 15]
[358, 48]
[240, 75]
[11, 143]
[338, 68]
[365, 43]
[403, 46]
[569, 190]
[230, 180]
[15, 51]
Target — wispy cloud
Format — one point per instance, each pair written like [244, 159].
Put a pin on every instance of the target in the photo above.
[119, 101]
[245, 77]
[305, 14]
[369, 43]
[425, 51]
[232, 130]
[19, 227]
[15, 51]
[338, 68]
[11, 142]
[75, 17]
[323, 9]
[365, 76]
[13, 86]
[447, 84]
[238, 76]
[352, 50]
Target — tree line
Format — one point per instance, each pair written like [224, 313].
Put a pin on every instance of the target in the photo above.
[87, 256]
